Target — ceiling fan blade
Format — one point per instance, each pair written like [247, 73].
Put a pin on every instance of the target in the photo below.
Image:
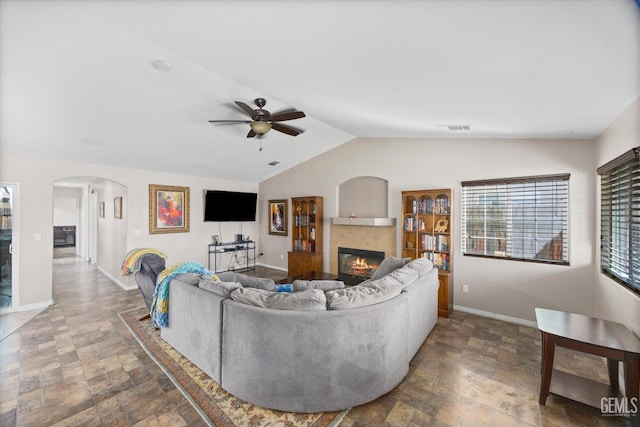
[244, 107]
[229, 121]
[286, 129]
[251, 134]
[281, 117]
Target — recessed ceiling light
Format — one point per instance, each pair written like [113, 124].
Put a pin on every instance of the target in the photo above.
[162, 65]
[275, 162]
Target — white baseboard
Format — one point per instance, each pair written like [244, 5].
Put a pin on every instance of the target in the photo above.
[116, 281]
[271, 266]
[35, 306]
[496, 316]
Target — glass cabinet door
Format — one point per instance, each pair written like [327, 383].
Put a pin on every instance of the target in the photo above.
[6, 246]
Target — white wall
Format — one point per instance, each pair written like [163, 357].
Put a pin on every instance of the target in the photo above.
[66, 206]
[508, 288]
[36, 177]
[613, 301]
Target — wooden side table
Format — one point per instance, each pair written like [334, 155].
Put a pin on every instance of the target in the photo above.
[595, 336]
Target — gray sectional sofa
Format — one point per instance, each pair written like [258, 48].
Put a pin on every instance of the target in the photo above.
[317, 350]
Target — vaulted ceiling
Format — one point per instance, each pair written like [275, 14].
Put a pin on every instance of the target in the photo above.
[77, 81]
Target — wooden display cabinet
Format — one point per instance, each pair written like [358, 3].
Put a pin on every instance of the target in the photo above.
[427, 231]
[306, 239]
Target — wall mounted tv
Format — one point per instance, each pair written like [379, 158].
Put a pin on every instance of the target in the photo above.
[227, 206]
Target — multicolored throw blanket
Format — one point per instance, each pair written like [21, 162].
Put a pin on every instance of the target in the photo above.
[132, 261]
[160, 305]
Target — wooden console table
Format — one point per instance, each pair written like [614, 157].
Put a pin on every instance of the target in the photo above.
[595, 336]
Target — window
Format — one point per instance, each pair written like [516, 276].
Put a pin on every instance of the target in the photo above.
[620, 219]
[522, 219]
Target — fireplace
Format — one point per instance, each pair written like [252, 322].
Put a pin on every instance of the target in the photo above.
[357, 265]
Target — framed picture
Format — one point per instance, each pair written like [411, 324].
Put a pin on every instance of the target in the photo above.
[101, 209]
[278, 217]
[117, 207]
[168, 209]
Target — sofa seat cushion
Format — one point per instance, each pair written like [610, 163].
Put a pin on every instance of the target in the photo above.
[307, 300]
[388, 265]
[222, 289]
[360, 296]
[323, 285]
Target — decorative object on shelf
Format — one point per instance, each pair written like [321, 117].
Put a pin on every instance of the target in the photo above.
[101, 209]
[441, 225]
[117, 207]
[278, 217]
[168, 209]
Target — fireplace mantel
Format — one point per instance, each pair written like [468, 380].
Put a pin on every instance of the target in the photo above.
[374, 222]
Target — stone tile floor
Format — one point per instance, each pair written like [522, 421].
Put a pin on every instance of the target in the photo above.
[75, 363]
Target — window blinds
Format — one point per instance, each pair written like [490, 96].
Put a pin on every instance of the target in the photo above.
[522, 219]
[620, 219]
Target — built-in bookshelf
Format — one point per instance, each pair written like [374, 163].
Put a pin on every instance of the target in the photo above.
[306, 239]
[427, 231]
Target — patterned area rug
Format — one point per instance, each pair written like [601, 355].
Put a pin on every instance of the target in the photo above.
[217, 407]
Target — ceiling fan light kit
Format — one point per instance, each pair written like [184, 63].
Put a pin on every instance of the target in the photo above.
[260, 127]
[262, 121]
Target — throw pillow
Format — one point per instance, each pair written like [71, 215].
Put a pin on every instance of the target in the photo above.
[388, 265]
[222, 289]
[310, 299]
[323, 285]
[361, 296]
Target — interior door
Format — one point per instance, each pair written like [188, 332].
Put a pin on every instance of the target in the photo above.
[7, 246]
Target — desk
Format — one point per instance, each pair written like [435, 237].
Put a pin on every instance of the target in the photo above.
[595, 336]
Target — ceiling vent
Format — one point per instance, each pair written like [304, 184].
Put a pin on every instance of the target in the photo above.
[457, 127]
[274, 163]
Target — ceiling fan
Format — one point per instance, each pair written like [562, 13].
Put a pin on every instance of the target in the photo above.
[262, 121]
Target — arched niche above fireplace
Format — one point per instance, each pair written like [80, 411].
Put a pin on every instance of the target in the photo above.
[364, 200]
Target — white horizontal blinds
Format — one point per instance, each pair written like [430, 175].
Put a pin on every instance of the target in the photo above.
[620, 219]
[517, 218]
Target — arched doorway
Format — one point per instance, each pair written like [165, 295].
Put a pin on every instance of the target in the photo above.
[92, 212]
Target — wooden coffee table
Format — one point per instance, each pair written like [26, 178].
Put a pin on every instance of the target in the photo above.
[311, 275]
[595, 336]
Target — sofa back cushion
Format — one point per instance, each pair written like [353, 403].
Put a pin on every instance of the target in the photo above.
[360, 296]
[323, 285]
[310, 299]
[255, 282]
[388, 265]
[222, 289]
[421, 265]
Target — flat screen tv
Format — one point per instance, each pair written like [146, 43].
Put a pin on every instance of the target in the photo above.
[229, 206]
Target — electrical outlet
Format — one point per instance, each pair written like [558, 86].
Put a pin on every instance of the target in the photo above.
[281, 256]
[465, 288]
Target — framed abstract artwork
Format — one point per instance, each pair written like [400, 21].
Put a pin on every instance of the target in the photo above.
[168, 209]
[278, 217]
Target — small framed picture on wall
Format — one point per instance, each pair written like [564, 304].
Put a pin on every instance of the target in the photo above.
[278, 217]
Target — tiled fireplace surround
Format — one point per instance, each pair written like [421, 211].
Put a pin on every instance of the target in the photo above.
[373, 238]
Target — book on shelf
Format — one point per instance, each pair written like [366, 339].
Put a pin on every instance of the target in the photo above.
[439, 260]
